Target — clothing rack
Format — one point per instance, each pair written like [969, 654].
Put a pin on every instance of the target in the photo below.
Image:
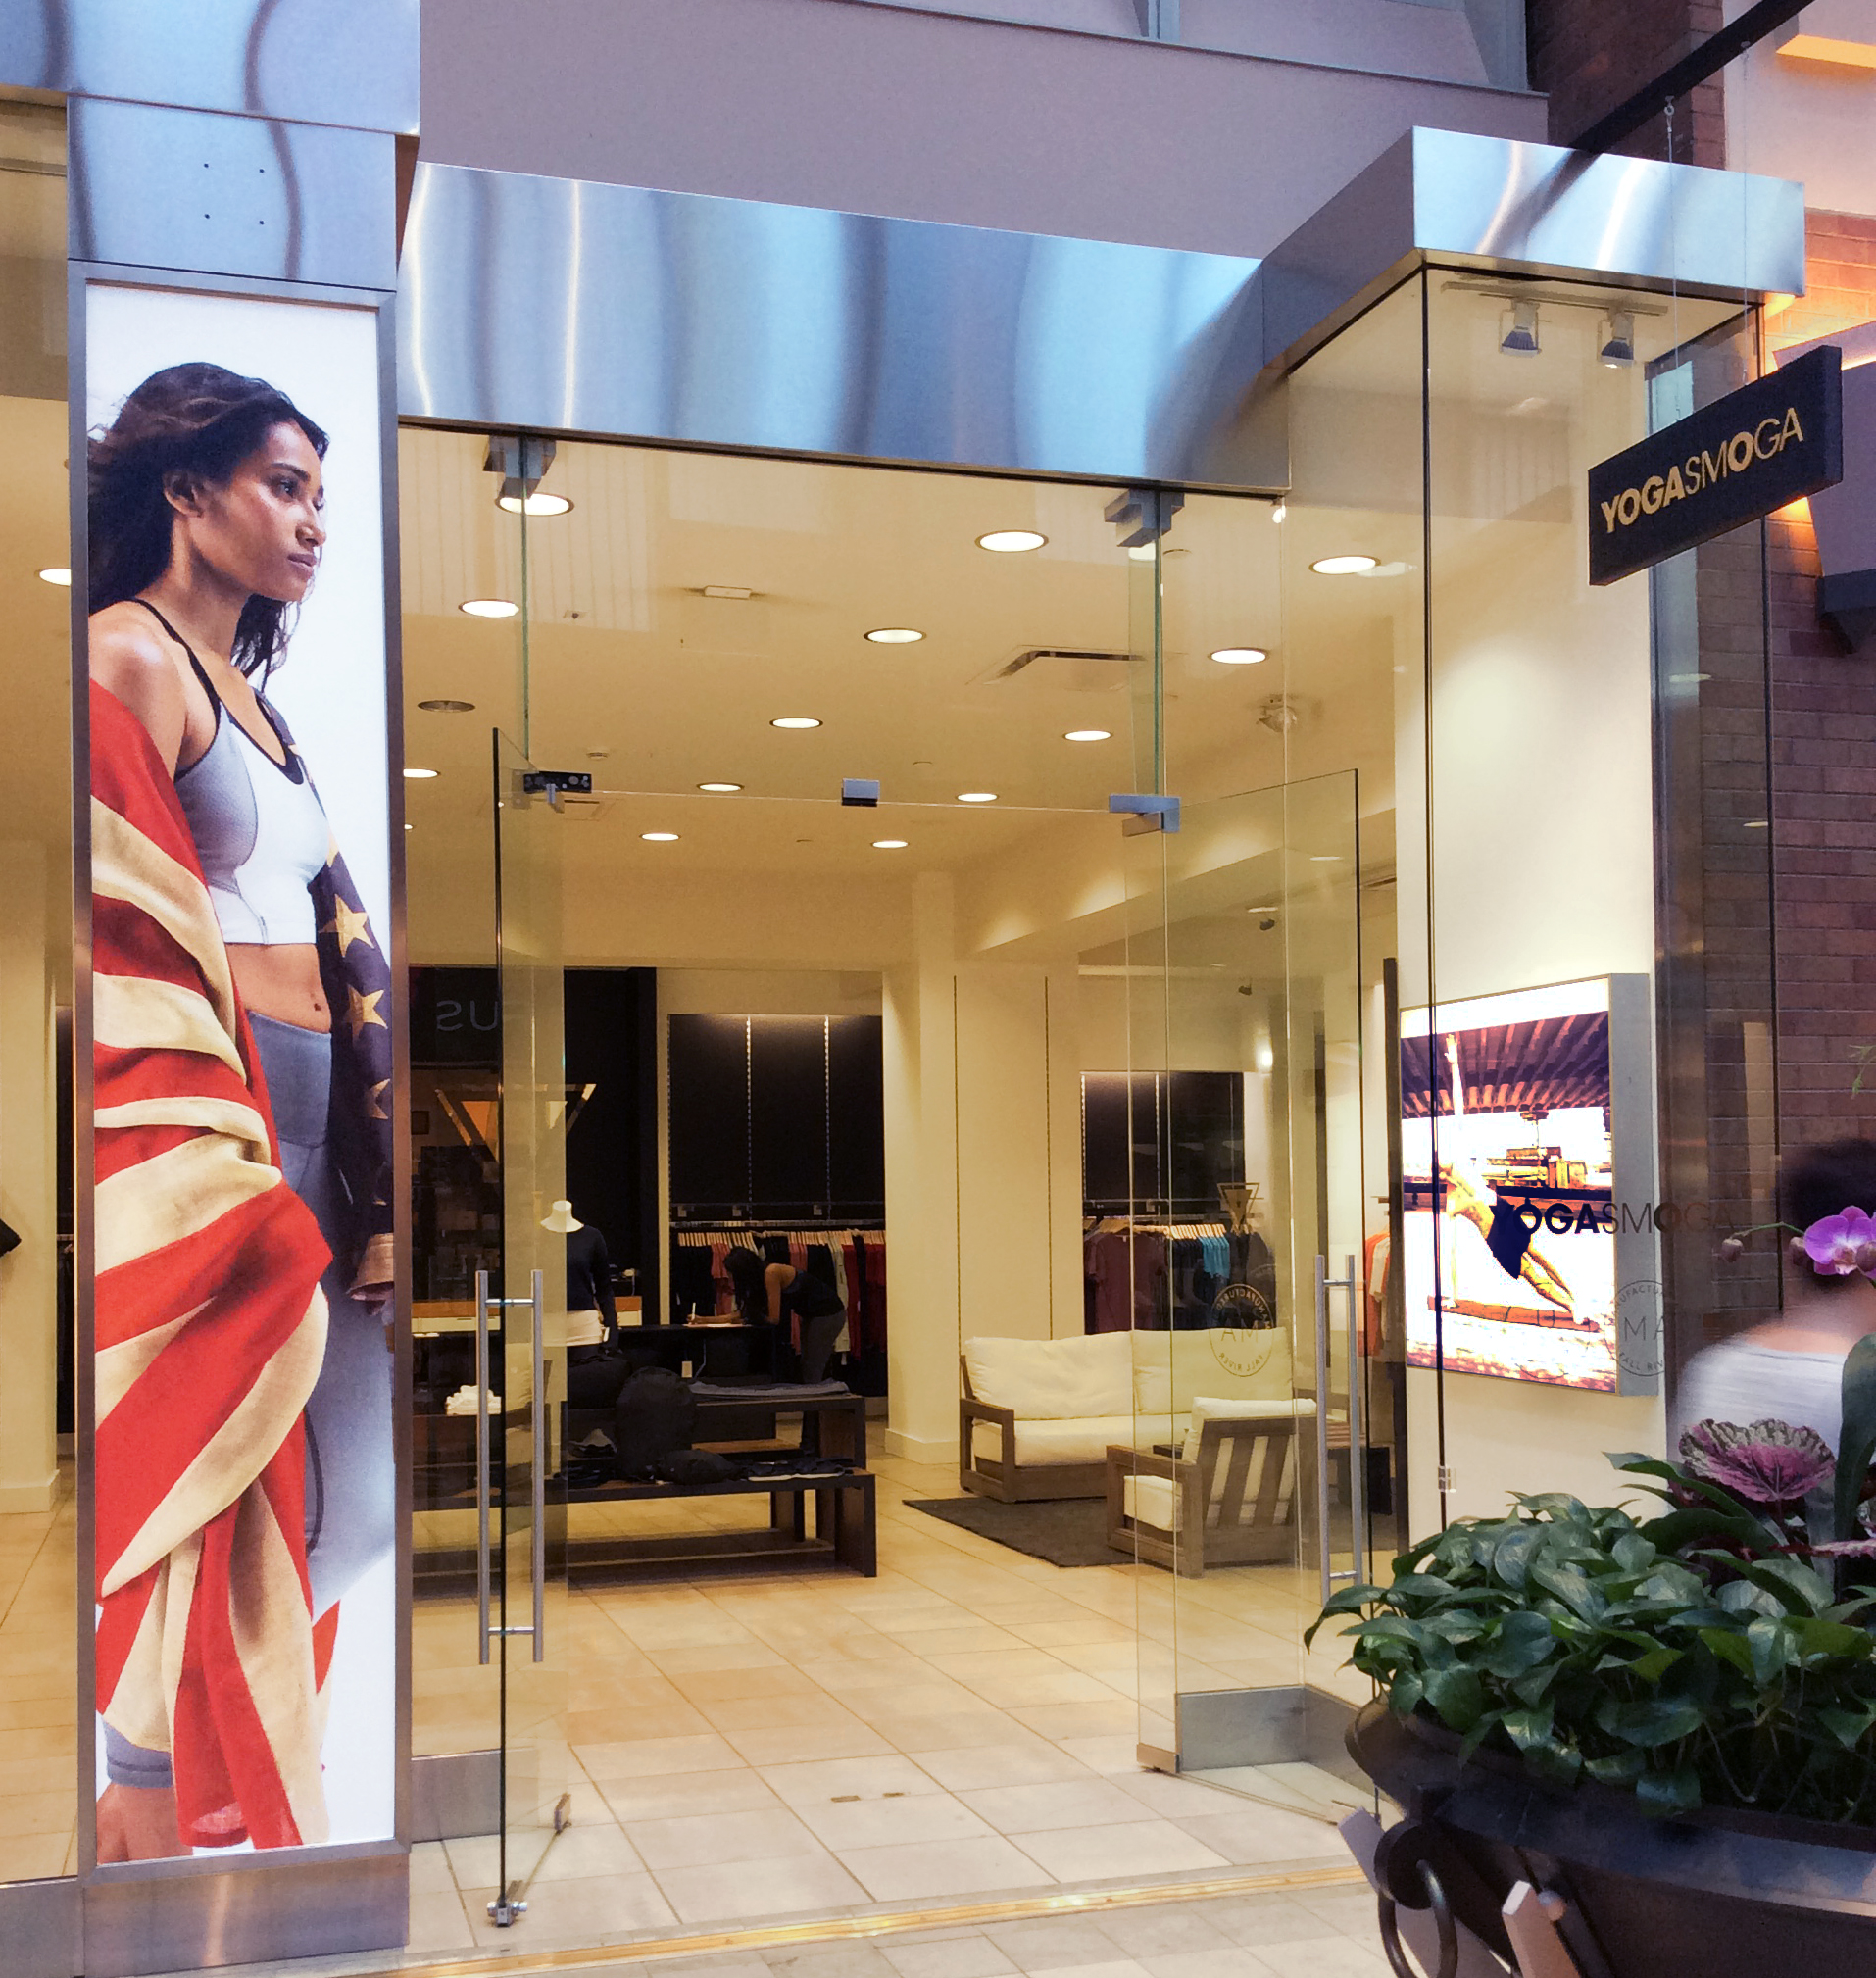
[700, 1237]
[1143, 1225]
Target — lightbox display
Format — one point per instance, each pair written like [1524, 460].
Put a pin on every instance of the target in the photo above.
[1526, 1167]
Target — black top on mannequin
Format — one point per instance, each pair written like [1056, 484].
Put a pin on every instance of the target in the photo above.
[589, 1276]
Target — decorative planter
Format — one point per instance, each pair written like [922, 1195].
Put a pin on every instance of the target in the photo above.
[1714, 1894]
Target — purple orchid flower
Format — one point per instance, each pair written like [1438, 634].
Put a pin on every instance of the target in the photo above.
[1767, 1462]
[1842, 1244]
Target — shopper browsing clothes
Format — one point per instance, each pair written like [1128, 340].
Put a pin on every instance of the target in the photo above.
[779, 1295]
[245, 1455]
[1792, 1369]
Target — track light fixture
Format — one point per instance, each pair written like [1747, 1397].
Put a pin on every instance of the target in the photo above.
[1618, 345]
[1520, 339]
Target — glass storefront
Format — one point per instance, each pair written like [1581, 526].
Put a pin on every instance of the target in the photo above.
[1218, 847]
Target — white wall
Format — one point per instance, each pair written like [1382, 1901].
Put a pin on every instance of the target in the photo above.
[29, 1148]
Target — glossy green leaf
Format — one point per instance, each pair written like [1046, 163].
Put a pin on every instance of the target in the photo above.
[1857, 1444]
[1667, 1792]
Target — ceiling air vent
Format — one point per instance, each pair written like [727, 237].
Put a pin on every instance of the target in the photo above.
[1081, 669]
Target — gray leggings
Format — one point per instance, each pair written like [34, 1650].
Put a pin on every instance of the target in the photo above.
[351, 1456]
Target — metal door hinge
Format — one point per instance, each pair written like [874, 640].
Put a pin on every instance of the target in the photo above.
[1145, 812]
[1444, 1478]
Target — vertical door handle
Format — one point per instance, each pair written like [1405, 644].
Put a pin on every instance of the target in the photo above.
[481, 1467]
[539, 1550]
[1324, 1284]
[1358, 1438]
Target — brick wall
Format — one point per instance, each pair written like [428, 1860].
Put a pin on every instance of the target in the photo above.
[1590, 55]
[1823, 765]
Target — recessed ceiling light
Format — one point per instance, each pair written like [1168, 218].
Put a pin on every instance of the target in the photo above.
[976, 796]
[56, 574]
[417, 775]
[1088, 735]
[719, 789]
[795, 721]
[536, 504]
[889, 844]
[1343, 566]
[1239, 656]
[895, 635]
[447, 707]
[1325, 858]
[1757, 824]
[488, 608]
[410, 827]
[659, 838]
[740, 592]
[1009, 540]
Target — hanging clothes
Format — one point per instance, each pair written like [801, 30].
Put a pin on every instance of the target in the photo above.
[1110, 1270]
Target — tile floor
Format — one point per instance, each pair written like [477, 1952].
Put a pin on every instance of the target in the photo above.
[747, 1745]
[761, 1743]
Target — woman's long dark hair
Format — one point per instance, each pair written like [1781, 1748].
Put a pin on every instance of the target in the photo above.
[748, 1276]
[195, 419]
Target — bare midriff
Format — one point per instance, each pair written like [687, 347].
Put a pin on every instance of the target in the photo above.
[281, 981]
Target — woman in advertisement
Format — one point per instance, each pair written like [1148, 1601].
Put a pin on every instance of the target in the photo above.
[242, 1050]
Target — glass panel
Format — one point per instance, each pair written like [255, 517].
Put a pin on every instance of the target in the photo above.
[1535, 1003]
[1276, 948]
[531, 1583]
[464, 673]
[38, 1536]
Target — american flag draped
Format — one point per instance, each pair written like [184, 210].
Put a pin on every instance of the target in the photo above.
[210, 1320]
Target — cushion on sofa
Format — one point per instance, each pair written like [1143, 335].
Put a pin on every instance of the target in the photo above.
[1054, 1379]
[1042, 1442]
[1170, 1367]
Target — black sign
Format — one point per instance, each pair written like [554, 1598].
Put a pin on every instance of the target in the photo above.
[1730, 463]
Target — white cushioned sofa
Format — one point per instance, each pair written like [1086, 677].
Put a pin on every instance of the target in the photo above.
[1038, 1416]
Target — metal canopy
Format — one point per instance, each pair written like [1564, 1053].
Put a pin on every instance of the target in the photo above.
[608, 310]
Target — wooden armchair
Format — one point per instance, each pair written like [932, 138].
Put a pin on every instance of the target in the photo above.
[1231, 1503]
[1003, 1476]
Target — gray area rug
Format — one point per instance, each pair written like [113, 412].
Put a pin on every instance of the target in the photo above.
[1065, 1531]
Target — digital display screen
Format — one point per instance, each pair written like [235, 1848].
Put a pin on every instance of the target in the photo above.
[1509, 1227]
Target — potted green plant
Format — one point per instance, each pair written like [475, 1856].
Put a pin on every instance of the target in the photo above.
[1668, 1720]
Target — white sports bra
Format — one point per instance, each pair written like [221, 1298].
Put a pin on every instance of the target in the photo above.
[259, 828]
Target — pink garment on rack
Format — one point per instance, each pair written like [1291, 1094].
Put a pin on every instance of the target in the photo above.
[876, 1291]
[719, 1281]
[1110, 1269]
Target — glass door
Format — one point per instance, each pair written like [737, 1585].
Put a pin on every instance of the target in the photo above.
[521, 1509]
[1262, 1470]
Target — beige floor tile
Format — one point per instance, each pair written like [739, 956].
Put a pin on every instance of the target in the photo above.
[652, 1758]
[697, 1841]
[812, 1709]
[1115, 1718]
[971, 1956]
[793, 1886]
[1261, 1834]
[682, 1795]
[775, 1678]
[577, 1913]
[750, 1654]
[1021, 1760]
[928, 1869]
[793, 1745]
[1059, 1803]
[1110, 1754]
[430, 1869]
[1140, 1847]
[888, 1704]
[826, 1779]
[918, 1818]
[954, 1730]
[583, 1852]
[438, 1921]
[22, 1814]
